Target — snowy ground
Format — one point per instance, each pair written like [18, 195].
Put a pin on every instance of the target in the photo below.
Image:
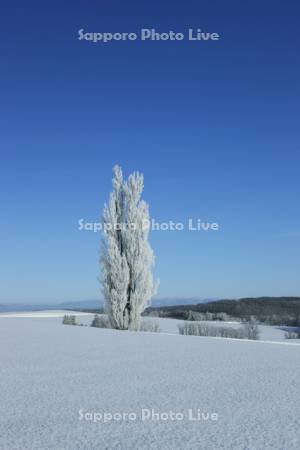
[267, 333]
[53, 377]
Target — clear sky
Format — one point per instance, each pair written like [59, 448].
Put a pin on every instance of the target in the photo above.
[214, 127]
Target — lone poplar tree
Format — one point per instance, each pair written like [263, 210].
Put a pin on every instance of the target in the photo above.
[126, 257]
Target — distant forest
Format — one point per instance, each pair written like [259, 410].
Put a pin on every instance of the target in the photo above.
[271, 310]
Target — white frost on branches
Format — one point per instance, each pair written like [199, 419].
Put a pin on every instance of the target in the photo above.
[127, 258]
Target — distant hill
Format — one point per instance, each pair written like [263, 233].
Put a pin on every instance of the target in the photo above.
[15, 307]
[94, 304]
[171, 301]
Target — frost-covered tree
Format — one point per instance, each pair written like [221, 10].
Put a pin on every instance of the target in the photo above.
[126, 258]
[252, 329]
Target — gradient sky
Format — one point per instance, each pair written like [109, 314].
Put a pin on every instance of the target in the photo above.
[213, 126]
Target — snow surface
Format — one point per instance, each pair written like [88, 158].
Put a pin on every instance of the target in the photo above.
[49, 372]
[267, 333]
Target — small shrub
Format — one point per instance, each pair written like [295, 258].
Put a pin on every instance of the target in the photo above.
[152, 326]
[292, 335]
[251, 329]
[65, 320]
[201, 329]
[69, 320]
[100, 322]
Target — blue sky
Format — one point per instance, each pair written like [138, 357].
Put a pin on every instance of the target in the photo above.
[213, 126]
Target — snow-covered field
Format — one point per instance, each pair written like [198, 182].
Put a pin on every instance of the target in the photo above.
[55, 378]
[267, 333]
